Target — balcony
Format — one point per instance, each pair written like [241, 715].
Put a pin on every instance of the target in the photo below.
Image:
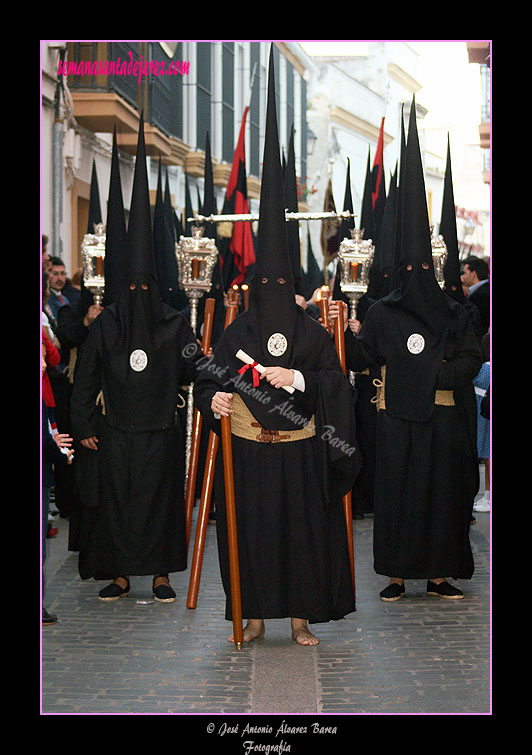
[105, 99]
[479, 52]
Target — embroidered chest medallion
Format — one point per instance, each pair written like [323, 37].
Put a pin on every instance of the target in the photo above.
[415, 343]
[138, 360]
[277, 344]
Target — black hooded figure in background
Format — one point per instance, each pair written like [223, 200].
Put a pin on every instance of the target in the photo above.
[294, 454]
[139, 351]
[426, 465]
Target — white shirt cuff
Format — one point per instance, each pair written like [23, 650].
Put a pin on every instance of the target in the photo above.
[299, 381]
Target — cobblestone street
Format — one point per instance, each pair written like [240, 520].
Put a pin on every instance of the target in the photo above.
[418, 655]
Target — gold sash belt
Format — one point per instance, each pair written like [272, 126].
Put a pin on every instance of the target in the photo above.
[442, 398]
[244, 425]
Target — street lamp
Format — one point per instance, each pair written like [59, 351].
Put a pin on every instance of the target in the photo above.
[311, 141]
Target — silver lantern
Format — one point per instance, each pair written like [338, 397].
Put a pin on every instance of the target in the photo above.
[93, 255]
[356, 258]
[196, 258]
[439, 256]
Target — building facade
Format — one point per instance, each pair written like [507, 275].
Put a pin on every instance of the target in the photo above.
[188, 88]
[184, 90]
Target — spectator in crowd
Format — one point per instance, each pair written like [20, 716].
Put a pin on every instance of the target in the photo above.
[45, 255]
[475, 275]
[48, 321]
[72, 288]
[482, 384]
[58, 278]
[56, 453]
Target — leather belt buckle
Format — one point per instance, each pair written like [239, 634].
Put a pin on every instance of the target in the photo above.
[268, 436]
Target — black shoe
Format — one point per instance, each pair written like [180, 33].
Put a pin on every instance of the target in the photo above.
[163, 593]
[48, 618]
[114, 591]
[444, 590]
[394, 591]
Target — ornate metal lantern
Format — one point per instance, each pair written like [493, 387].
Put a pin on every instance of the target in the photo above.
[439, 256]
[196, 257]
[93, 254]
[356, 258]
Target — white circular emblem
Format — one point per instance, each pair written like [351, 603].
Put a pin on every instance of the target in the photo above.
[415, 344]
[277, 344]
[138, 360]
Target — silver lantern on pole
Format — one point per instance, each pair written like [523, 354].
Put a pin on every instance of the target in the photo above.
[93, 255]
[439, 256]
[196, 258]
[356, 258]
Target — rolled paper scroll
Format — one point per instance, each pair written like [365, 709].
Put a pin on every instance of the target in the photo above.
[248, 360]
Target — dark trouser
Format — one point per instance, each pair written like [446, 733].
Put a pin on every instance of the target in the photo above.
[44, 527]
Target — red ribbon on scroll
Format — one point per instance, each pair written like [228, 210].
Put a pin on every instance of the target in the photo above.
[255, 373]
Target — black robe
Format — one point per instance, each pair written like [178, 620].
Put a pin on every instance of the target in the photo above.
[426, 471]
[291, 530]
[133, 519]
[366, 416]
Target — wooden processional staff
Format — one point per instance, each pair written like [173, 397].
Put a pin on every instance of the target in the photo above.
[339, 340]
[203, 515]
[196, 430]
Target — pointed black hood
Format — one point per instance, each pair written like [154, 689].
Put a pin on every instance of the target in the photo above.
[366, 212]
[189, 211]
[451, 271]
[177, 298]
[385, 245]
[140, 260]
[395, 282]
[164, 246]
[139, 306]
[210, 231]
[95, 216]
[95, 210]
[272, 308]
[419, 292]
[346, 226]
[314, 274]
[115, 231]
[421, 312]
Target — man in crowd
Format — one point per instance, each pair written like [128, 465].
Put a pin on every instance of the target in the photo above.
[475, 275]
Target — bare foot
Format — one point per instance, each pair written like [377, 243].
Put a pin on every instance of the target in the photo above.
[301, 633]
[252, 631]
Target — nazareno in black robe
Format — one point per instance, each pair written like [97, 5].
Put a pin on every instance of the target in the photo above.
[291, 531]
[135, 522]
[426, 469]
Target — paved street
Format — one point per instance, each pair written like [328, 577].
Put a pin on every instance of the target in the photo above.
[419, 655]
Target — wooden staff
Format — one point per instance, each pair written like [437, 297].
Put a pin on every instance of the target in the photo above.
[196, 430]
[323, 302]
[339, 339]
[203, 521]
[230, 512]
[206, 492]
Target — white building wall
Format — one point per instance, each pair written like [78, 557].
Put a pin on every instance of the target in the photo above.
[368, 87]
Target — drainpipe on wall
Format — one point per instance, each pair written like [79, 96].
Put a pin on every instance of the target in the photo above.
[57, 167]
